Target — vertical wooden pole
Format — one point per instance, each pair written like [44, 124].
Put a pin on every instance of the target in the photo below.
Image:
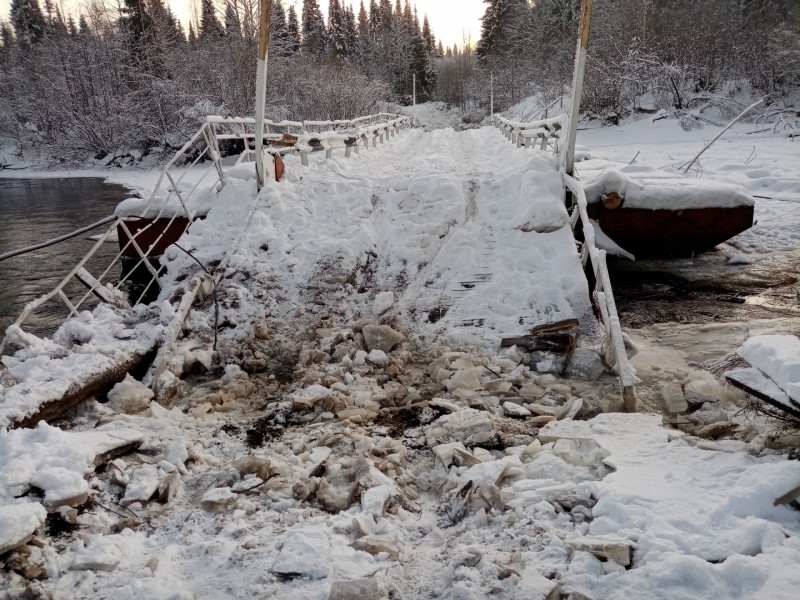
[261, 87]
[491, 95]
[577, 83]
[414, 100]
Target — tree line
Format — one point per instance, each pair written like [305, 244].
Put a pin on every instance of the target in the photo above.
[132, 77]
[643, 54]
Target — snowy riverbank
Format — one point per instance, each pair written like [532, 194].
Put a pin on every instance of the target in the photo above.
[360, 423]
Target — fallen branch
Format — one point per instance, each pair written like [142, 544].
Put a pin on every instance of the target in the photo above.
[741, 114]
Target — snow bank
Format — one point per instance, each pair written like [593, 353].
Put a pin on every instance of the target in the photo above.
[53, 460]
[778, 356]
[18, 522]
[704, 523]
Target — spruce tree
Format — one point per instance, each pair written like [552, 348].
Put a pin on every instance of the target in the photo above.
[28, 21]
[505, 28]
[427, 35]
[233, 25]
[294, 31]
[279, 31]
[336, 41]
[210, 26]
[313, 28]
[363, 21]
[136, 24]
[6, 35]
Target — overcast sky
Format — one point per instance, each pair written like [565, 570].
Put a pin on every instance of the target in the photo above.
[450, 20]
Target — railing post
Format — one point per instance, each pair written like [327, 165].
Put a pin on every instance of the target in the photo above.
[577, 83]
[491, 95]
[261, 87]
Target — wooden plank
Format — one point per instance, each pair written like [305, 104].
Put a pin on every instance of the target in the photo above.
[783, 406]
[88, 386]
[555, 343]
[101, 292]
[557, 326]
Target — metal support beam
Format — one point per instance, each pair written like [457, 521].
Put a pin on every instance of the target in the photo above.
[261, 88]
[577, 84]
[491, 96]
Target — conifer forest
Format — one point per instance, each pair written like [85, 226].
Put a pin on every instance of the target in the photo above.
[78, 85]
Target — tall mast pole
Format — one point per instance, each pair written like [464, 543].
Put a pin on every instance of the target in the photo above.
[577, 84]
[261, 87]
[491, 95]
[414, 100]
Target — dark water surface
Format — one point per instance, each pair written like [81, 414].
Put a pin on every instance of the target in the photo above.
[35, 210]
[706, 289]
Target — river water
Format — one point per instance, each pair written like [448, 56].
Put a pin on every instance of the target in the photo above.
[35, 210]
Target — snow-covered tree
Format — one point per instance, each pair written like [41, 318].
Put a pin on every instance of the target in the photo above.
[233, 23]
[314, 30]
[210, 26]
[293, 26]
[28, 21]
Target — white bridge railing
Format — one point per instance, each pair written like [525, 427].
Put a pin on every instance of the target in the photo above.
[550, 134]
[603, 295]
[186, 186]
[547, 134]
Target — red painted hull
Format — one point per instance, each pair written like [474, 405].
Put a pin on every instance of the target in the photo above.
[671, 233]
[148, 235]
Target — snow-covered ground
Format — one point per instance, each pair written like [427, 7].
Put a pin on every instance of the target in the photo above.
[366, 427]
[766, 163]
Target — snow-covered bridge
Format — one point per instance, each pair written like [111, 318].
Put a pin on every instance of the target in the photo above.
[465, 237]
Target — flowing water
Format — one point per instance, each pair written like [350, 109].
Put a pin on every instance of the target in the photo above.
[35, 210]
[706, 289]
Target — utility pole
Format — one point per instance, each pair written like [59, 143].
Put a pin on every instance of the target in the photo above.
[491, 95]
[414, 100]
[577, 84]
[261, 88]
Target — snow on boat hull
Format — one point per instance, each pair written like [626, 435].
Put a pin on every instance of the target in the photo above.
[663, 233]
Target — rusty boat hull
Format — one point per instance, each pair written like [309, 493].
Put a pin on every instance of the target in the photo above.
[663, 233]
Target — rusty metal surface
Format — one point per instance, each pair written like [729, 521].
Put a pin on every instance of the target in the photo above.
[671, 233]
[147, 231]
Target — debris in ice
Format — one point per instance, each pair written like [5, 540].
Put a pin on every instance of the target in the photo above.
[142, 486]
[130, 396]
[357, 589]
[778, 356]
[381, 337]
[62, 486]
[383, 302]
[515, 410]
[18, 523]
[469, 426]
[534, 586]
[306, 552]
[219, 499]
[673, 396]
[99, 554]
[376, 544]
[378, 358]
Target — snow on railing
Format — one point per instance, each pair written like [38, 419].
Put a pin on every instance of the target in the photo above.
[603, 295]
[548, 133]
[184, 192]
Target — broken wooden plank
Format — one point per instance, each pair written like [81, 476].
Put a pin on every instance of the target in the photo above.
[557, 326]
[84, 389]
[109, 296]
[758, 385]
[555, 343]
